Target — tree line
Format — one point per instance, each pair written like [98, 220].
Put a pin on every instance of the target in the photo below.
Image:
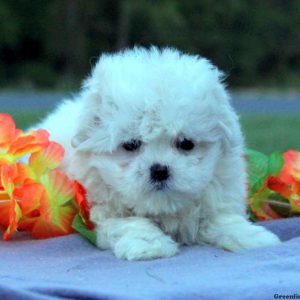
[50, 44]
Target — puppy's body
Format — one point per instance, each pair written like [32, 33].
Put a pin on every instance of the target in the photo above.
[153, 138]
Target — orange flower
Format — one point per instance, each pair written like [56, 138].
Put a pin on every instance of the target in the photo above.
[290, 191]
[48, 158]
[15, 215]
[36, 196]
[44, 208]
[29, 143]
[14, 143]
[8, 131]
[84, 208]
[278, 185]
[47, 208]
[278, 191]
[9, 207]
[260, 207]
[291, 168]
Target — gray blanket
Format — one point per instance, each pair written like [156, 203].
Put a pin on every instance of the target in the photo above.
[69, 267]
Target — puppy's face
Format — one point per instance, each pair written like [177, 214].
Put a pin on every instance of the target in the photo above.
[156, 136]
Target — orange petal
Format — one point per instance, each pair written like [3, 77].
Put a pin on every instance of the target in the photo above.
[41, 136]
[29, 197]
[47, 159]
[84, 207]
[7, 176]
[29, 143]
[279, 186]
[15, 215]
[8, 131]
[59, 188]
[291, 166]
[4, 211]
[6, 158]
[24, 174]
[295, 186]
[3, 194]
[56, 207]
[297, 202]
[43, 229]
[27, 223]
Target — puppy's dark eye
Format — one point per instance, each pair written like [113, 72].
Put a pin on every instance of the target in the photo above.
[132, 145]
[185, 144]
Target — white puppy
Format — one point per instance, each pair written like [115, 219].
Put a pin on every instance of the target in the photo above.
[153, 138]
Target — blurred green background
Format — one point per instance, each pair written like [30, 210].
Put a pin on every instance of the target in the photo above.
[52, 45]
[49, 44]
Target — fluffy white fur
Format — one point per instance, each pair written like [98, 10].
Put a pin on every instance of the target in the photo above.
[158, 96]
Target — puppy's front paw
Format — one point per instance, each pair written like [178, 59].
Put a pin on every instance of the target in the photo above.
[143, 248]
[248, 237]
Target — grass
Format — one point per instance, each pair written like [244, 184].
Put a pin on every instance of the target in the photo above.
[263, 133]
[25, 119]
[271, 133]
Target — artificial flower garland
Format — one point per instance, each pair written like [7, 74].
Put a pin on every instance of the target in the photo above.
[36, 196]
[274, 185]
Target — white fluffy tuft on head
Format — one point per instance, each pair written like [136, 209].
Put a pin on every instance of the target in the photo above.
[154, 136]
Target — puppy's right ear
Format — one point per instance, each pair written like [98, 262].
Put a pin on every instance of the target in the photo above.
[78, 139]
[89, 120]
[83, 134]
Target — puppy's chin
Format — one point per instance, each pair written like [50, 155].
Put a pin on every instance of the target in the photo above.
[159, 199]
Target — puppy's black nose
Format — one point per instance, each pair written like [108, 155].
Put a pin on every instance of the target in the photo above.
[159, 172]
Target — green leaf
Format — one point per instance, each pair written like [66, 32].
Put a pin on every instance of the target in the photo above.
[257, 200]
[80, 227]
[257, 185]
[258, 167]
[276, 162]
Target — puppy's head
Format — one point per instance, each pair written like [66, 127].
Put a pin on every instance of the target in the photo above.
[155, 125]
